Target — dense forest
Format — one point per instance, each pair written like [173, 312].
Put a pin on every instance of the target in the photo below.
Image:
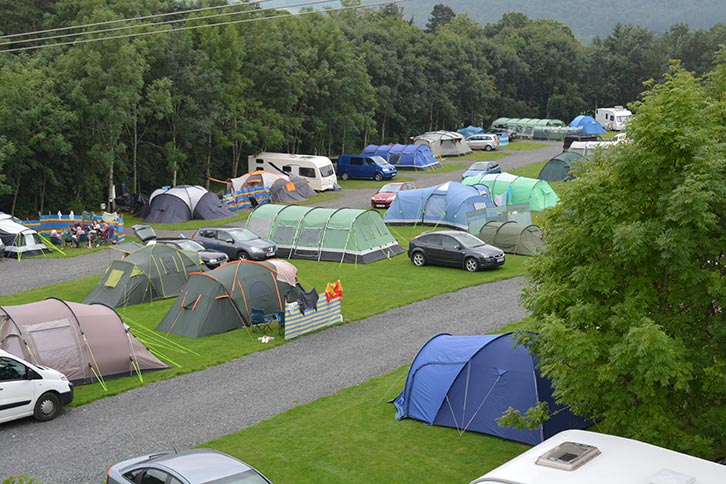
[104, 98]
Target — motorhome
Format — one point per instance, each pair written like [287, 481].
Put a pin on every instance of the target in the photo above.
[580, 456]
[613, 119]
[317, 170]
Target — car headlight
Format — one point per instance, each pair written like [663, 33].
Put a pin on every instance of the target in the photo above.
[256, 250]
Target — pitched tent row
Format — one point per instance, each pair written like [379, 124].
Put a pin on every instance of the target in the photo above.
[341, 235]
[405, 157]
[18, 239]
[222, 300]
[468, 382]
[87, 343]
[450, 204]
[514, 190]
[153, 272]
[182, 203]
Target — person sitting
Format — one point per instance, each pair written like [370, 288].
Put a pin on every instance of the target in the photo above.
[56, 238]
[76, 232]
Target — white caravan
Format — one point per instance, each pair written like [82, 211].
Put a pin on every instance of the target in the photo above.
[586, 148]
[582, 457]
[317, 170]
[613, 119]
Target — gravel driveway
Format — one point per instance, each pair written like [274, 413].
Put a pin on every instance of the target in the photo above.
[188, 410]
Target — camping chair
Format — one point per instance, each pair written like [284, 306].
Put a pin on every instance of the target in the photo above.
[262, 320]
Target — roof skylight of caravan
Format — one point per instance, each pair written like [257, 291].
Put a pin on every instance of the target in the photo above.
[568, 456]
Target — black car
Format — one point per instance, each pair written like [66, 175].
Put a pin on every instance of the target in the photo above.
[236, 242]
[453, 248]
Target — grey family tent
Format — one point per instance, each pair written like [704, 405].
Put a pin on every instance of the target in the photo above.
[328, 234]
[508, 189]
[18, 239]
[587, 125]
[156, 271]
[405, 157]
[181, 203]
[467, 382]
[222, 300]
[513, 237]
[85, 342]
[451, 204]
[443, 143]
[558, 168]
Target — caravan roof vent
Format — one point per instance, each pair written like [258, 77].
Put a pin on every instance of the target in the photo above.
[568, 456]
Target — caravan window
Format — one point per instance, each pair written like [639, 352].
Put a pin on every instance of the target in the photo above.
[287, 169]
[307, 172]
[326, 170]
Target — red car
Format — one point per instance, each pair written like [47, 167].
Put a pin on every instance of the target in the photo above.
[385, 195]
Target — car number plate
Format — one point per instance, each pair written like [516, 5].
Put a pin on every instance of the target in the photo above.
[380, 205]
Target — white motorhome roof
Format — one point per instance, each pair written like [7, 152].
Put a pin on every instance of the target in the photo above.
[289, 157]
[621, 461]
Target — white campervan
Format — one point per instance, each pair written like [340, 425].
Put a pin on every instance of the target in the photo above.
[587, 148]
[613, 119]
[583, 457]
[317, 170]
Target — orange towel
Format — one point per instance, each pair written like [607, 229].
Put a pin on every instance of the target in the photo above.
[333, 290]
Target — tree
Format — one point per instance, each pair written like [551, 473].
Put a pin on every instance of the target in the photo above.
[440, 16]
[628, 297]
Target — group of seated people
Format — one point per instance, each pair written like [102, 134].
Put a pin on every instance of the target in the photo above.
[95, 232]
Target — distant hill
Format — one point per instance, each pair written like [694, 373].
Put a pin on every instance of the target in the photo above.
[586, 18]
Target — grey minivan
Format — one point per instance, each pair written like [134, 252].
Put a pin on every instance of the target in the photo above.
[236, 242]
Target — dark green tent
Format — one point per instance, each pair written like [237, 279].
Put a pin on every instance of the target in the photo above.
[558, 168]
[221, 300]
[513, 237]
[153, 272]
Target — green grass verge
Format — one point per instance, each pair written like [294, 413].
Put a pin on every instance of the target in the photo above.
[353, 437]
[524, 145]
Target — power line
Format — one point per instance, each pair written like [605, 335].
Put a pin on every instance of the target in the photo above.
[154, 24]
[194, 27]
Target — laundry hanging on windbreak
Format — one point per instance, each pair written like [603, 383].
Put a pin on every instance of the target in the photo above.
[308, 300]
[333, 290]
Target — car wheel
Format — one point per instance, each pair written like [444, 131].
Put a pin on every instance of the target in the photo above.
[345, 175]
[418, 259]
[242, 255]
[488, 148]
[378, 177]
[471, 264]
[47, 407]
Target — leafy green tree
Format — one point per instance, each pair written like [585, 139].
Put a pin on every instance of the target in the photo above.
[440, 15]
[628, 298]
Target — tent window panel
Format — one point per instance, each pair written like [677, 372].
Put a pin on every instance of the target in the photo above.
[284, 234]
[113, 278]
[261, 226]
[337, 238]
[310, 236]
[58, 347]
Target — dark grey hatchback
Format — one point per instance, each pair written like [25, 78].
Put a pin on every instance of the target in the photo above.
[453, 248]
[236, 242]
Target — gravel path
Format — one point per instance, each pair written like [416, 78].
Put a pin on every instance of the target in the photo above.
[192, 409]
[79, 446]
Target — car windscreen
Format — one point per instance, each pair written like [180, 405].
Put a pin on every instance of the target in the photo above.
[187, 244]
[468, 240]
[242, 235]
[480, 165]
[390, 188]
[247, 477]
[379, 160]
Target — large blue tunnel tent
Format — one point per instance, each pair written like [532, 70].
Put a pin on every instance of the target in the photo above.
[405, 157]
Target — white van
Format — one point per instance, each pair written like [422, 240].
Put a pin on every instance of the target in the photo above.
[613, 119]
[27, 389]
[583, 457]
[317, 170]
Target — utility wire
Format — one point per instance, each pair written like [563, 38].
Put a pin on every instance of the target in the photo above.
[154, 24]
[139, 34]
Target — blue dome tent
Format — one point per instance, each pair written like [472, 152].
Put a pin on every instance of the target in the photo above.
[405, 157]
[467, 382]
[588, 124]
[448, 204]
[470, 130]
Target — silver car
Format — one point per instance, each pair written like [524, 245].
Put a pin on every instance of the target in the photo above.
[486, 142]
[196, 466]
[236, 242]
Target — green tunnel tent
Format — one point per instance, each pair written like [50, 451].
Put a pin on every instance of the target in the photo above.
[508, 189]
[221, 300]
[558, 168]
[327, 234]
[513, 237]
[153, 272]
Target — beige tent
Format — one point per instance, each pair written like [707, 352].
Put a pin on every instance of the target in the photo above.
[513, 237]
[85, 342]
[444, 143]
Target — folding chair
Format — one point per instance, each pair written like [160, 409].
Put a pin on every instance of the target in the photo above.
[261, 320]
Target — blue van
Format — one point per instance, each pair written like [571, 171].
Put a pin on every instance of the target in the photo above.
[371, 167]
